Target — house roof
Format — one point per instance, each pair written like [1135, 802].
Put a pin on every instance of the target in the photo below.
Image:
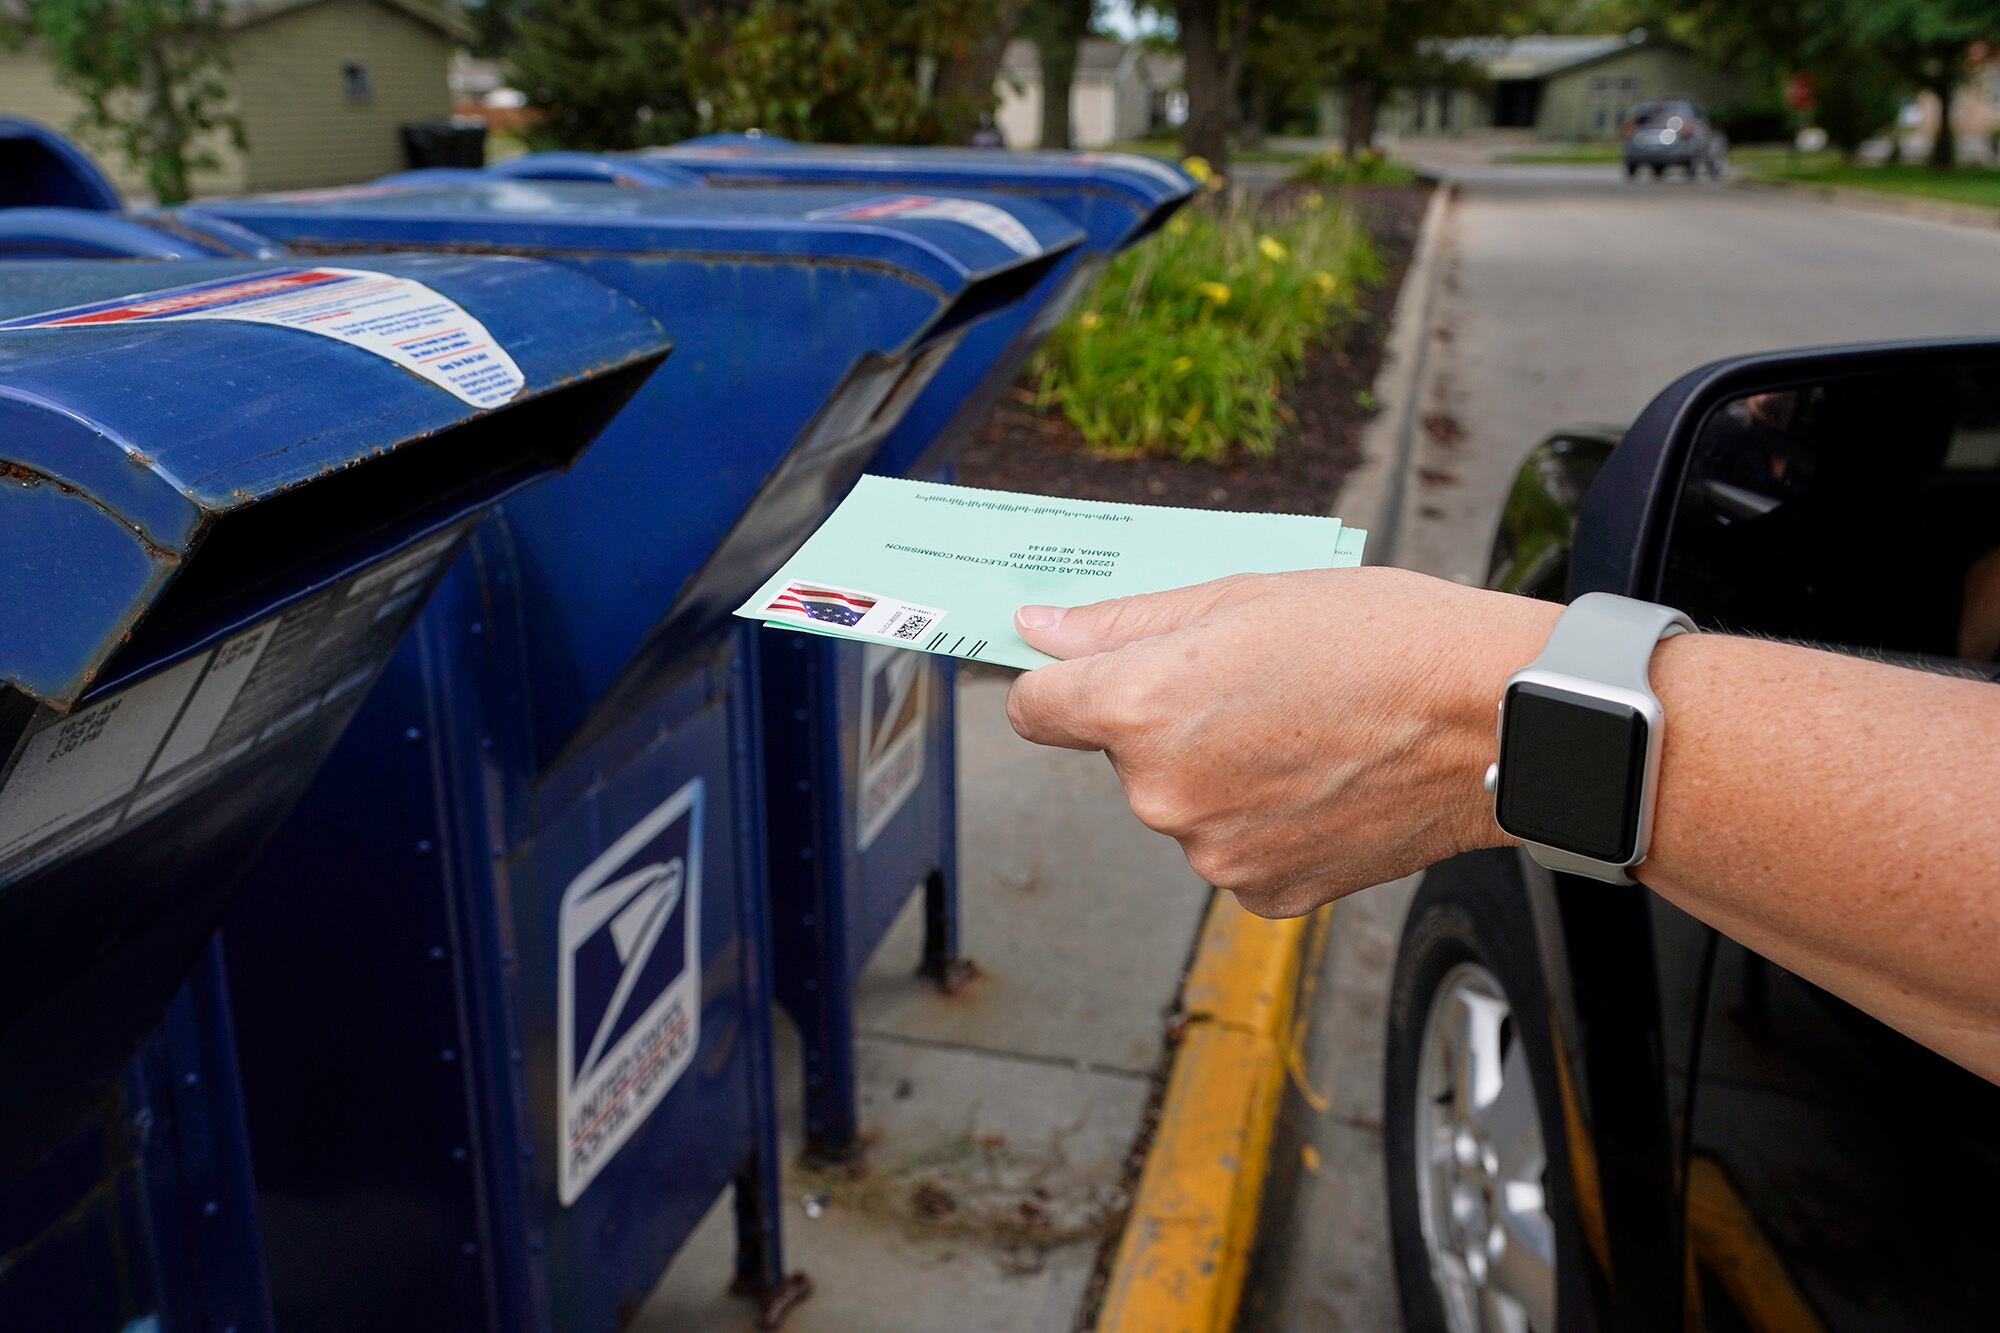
[247, 13]
[1535, 57]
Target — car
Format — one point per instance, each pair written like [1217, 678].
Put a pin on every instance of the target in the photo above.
[1601, 1113]
[1673, 134]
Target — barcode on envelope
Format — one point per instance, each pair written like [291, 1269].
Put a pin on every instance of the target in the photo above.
[911, 625]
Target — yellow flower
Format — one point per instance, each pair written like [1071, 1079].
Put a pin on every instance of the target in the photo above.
[1214, 291]
[1272, 248]
[1198, 168]
[1325, 282]
[1181, 365]
[1089, 320]
[1312, 199]
[1178, 227]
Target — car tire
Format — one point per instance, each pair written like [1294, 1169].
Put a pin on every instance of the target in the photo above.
[1631, 171]
[1468, 945]
[1659, 170]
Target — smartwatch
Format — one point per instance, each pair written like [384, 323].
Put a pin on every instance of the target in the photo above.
[1580, 732]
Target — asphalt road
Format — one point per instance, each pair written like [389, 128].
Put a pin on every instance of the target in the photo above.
[1565, 295]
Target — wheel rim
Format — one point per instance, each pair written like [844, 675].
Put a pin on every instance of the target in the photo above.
[1481, 1200]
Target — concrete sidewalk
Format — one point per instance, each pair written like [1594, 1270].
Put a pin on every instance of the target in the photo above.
[999, 1118]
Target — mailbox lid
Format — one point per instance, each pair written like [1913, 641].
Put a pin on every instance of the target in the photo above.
[1146, 190]
[130, 431]
[949, 243]
[39, 166]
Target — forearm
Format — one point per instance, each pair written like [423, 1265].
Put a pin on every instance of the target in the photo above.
[1837, 816]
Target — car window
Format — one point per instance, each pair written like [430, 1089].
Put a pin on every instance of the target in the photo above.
[1849, 513]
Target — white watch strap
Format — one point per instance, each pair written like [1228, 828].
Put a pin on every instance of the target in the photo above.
[1608, 639]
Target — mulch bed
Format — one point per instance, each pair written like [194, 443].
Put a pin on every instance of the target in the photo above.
[1020, 449]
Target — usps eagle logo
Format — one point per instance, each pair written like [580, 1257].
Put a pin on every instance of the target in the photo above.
[628, 1004]
[828, 606]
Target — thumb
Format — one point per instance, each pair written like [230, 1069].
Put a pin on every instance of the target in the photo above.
[1098, 627]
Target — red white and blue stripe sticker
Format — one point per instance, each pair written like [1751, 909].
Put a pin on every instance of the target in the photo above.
[996, 222]
[397, 319]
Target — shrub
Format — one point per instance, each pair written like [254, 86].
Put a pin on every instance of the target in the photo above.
[1185, 343]
[1333, 170]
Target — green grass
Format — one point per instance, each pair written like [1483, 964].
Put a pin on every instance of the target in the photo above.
[1564, 152]
[1975, 185]
[1184, 346]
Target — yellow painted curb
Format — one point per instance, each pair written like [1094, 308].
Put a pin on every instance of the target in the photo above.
[1186, 1246]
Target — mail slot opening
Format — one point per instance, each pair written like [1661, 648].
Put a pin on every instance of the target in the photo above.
[318, 529]
[993, 292]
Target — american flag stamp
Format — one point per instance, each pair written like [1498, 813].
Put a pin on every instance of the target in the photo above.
[860, 613]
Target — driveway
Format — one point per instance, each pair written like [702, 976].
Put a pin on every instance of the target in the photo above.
[1565, 294]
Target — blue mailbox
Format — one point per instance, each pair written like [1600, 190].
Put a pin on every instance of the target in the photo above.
[39, 166]
[544, 836]
[868, 750]
[226, 491]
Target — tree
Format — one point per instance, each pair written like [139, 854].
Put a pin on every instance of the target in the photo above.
[1928, 40]
[1215, 40]
[611, 74]
[150, 74]
[1057, 28]
[1375, 47]
[852, 71]
[605, 74]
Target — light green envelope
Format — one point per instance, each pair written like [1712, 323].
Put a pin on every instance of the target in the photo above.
[943, 568]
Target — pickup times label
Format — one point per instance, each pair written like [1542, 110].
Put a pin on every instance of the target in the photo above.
[628, 994]
[892, 736]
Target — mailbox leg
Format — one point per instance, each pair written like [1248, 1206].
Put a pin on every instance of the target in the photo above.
[760, 1251]
[833, 1113]
[942, 962]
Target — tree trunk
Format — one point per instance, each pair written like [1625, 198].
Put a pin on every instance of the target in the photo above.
[1059, 49]
[971, 76]
[1358, 135]
[1211, 95]
[1944, 145]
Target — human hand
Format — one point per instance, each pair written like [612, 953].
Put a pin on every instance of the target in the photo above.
[1300, 735]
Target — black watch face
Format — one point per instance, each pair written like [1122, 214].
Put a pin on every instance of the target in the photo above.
[1571, 770]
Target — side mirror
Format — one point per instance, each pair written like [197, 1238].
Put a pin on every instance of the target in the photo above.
[1845, 496]
[1531, 549]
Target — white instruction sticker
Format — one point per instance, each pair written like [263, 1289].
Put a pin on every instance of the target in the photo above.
[894, 700]
[397, 319]
[998, 223]
[628, 985]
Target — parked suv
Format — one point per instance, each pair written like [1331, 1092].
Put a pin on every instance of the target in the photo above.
[1674, 134]
[1600, 1113]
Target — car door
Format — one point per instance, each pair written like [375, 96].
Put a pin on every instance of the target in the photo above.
[1835, 1174]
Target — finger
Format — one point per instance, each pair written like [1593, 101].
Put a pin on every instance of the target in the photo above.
[1097, 627]
[1066, 704]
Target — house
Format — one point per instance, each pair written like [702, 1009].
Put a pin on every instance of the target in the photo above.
[322, 88]
[1559, 87]
[1120, 91]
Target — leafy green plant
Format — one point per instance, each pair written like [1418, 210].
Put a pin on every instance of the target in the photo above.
[1333, 170]
[1185, 344]
[151, 75]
